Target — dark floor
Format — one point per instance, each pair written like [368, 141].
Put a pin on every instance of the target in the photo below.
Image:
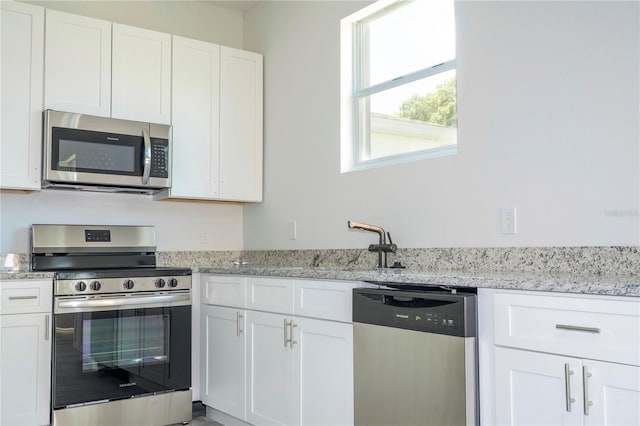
[199, 417]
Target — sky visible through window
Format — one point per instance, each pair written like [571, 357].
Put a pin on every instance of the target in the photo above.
[413, 37]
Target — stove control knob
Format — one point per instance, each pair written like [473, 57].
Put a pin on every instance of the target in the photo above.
[160, 283]
[173, 282]
[95, 285]
[128, 284]
[81, 286]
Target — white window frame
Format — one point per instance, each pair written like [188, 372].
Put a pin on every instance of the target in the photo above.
[354, 120]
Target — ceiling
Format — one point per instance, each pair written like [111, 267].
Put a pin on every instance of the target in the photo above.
[239, 5]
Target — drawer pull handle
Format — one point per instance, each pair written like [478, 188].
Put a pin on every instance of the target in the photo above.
[22, 297]
[578, 328]
[567, 386]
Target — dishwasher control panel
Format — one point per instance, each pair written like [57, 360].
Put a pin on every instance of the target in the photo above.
[433, 312]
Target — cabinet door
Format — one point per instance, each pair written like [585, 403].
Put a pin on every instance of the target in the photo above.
[141, 75]
[77, 64]
[323, 358]
[22, 50]
[532, 388]
[195, 119]
[614, 393]
[223, 359]
[240, 125]
[269, 369]
[25, 369]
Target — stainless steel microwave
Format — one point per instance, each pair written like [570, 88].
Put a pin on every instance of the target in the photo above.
[105, 154]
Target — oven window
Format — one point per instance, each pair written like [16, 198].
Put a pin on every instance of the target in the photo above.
[110, 355]
[125, 341]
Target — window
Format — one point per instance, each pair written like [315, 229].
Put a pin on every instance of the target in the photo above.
[398, 83]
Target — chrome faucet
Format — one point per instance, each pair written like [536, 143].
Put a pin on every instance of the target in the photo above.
[382, 247]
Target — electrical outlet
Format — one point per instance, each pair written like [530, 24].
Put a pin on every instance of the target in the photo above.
[508, 220]
[293, 231]
[204, 238]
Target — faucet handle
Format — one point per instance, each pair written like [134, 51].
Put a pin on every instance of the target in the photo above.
[389, 236]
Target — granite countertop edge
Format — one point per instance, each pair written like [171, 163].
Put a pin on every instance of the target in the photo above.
[623, 285]
[563, 283]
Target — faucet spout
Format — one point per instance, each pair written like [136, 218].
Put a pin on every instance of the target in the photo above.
[373, 228]
[382, 247]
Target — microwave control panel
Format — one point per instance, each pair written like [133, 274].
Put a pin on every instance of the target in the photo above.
[159, 158]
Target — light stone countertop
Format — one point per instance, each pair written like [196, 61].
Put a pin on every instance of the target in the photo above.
[583, 270]
[25, 275]
[565, 283]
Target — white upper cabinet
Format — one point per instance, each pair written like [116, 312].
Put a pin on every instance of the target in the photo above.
[110, 70]
[77, 64]
[196, 119]
[240, 125]
[217, 123]
[22, 51]
[141, 75]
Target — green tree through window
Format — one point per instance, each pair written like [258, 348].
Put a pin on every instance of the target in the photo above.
[438, 107]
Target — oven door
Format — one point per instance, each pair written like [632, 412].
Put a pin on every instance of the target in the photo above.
[115, 354]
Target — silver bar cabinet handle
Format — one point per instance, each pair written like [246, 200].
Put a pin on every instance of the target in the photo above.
[567, 386]
[286, 338]
[585, 392]
[292, 342]
[46, 327]
[147, 157]
[22, 297]
[239, 318]
[577, 328]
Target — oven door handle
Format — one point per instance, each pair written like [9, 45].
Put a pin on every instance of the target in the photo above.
[115, 302]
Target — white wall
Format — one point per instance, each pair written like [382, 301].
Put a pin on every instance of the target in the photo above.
[187, 18]
[548, 122]
[180, 225]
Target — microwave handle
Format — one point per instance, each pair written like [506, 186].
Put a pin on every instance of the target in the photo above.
[147, 157]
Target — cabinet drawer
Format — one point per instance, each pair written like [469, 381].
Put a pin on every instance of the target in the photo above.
[25, 296]
[599, 328]
[324, 299]
[270, 294]
[227, 291]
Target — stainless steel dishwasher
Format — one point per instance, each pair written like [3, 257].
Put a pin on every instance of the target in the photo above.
[415, 356]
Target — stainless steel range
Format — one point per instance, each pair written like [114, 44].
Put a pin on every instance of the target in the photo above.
[122, 339]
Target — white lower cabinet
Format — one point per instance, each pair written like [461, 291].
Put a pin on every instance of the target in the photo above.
[25, 358]
[270, 370]
[224, 348]
[297, 371]
[323, 363]
[553, 359]
[545, 389]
